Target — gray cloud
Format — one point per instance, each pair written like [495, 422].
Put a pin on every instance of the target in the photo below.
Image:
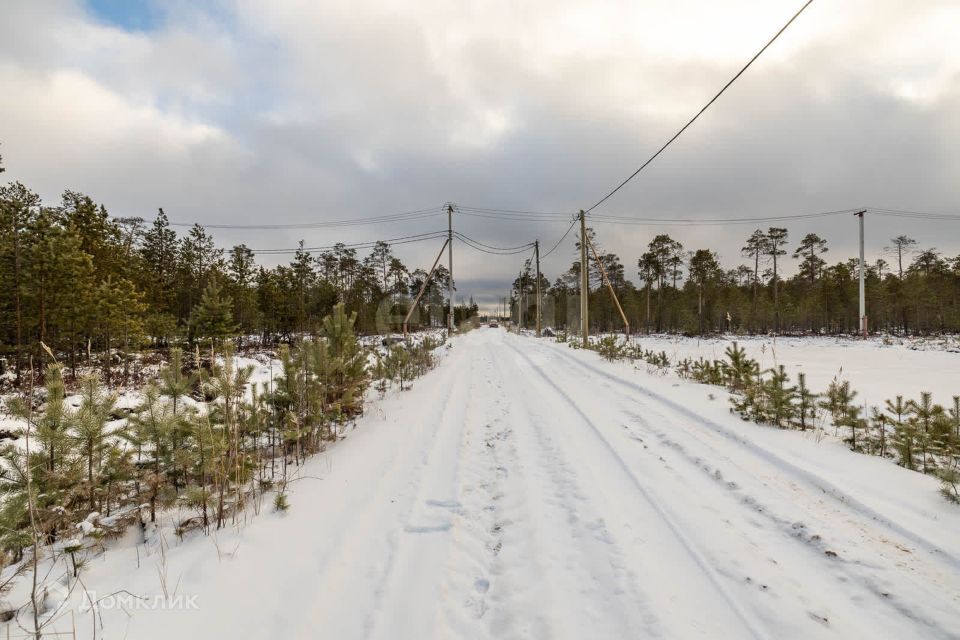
[303, 111]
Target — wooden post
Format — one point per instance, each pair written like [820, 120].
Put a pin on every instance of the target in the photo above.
[536, 251]
[584, 283]
[423, 287]
[606, 280]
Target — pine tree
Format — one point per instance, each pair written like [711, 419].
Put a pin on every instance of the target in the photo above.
[950, 481]
[810, 249]
[852, 418]
[754, 249]
[839, 402]
[227, 386]
[173, 382]
[344, 373]
[242, 280]
[880, 420]
[119, 310]
[90, 432]
[58, 277]
[151, 427]
[398, 364]
[776, 237]
[953, 414]
[16, 533]
[199, 262]
[202, 458]
[704, 269]
[18, 207]
[212, 318]
[904, 433]
[54, 472]
[806, 403]
[53, 423]
[740, 370]
[780, 397]
[925, 416]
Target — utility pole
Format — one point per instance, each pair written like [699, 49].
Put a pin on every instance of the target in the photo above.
[520, 292]
[450, 268]
[536, 252]
[863, 290]
[584, 282]
[423, 288]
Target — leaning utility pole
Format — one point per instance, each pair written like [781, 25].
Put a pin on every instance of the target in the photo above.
[613, 294]
[863, 291]
[423, 288]
[536, 251]
[450, 268]
[584, 282]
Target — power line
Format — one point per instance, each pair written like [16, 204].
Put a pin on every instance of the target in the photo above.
[465, 237]
[499, 251]
[354, 244]
[432, 235]
[914, 215]
[705, 107]
[393, 217]
[605, 219]
[516, 218]
[514, 211]
[562, 238]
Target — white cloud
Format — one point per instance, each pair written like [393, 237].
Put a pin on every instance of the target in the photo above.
[297, 110]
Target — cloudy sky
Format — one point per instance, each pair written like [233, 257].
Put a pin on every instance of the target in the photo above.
[295, 111]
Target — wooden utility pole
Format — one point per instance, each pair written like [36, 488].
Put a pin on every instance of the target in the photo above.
[536, 252]
[584, 282]
[863, 289]
[520, 292]
[450, 327]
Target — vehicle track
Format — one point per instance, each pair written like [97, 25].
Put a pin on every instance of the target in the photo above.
[657, 423]
[827, 488]
[721, 591]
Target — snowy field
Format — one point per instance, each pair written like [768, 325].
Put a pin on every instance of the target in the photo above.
[527, 490]
[877, 369]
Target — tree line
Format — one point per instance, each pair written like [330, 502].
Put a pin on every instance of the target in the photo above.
[910, 291]
[95, 288]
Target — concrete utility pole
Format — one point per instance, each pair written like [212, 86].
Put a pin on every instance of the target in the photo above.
[450, 258]
[584, 282]
[863, 289]
[536, 252]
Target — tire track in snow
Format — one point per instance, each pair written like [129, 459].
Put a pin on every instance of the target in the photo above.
[473, 568]
[844, 571]
[749, 625]
[412, 594]
[854, 573]
[800, 474]
[518, 598]
[603, 576]
[360, 560]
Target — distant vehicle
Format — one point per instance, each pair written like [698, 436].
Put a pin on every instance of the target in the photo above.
[494, 324]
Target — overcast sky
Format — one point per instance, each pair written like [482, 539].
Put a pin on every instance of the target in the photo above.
[280, 111]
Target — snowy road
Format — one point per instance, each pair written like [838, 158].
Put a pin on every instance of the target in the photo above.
[527, 490]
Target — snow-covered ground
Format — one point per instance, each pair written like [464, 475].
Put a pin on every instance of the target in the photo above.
[877, 369]
[527, 490]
